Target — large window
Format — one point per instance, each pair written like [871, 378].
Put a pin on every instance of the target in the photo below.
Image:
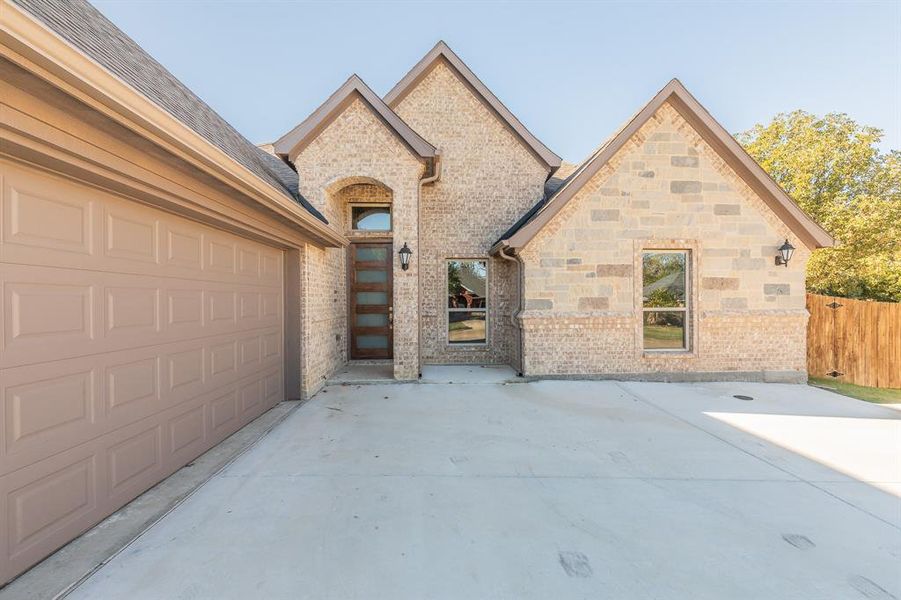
[665, 299]
[467, 306]
[370, 217]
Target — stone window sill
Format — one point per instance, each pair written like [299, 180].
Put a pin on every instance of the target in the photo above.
[681, 354]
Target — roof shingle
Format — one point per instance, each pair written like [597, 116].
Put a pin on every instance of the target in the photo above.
[83, 26]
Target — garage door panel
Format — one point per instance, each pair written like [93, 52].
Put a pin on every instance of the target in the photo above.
[187, 433]
[54, 314]
[132, 341]
[48, 408]
[249, 306]
[223, 414]
[41, 316]
[100, 475]
[222, 308]
[132, 312]
[249, 353]
[183, 248]
[49, 503]
[270, 307]
[133, 388]
[46, 411]
[271, 344]
[131, 233]
[134, 464]
[271, 267]
[248, 263]
[272, 388]
[251, 396]
[223, 362]
[52, 221]
[34, 218]
[184, 310]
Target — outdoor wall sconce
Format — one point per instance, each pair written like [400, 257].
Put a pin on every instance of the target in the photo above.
[785, 254]
[405, 254]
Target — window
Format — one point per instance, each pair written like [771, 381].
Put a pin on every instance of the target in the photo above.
[370, 218]
[467, 307]
[664, 299]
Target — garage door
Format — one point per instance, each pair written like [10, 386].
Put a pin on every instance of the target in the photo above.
[132, 341]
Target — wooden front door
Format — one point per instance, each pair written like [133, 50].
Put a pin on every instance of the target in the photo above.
[371, 308]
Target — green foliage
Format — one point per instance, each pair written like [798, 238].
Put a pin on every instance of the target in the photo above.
[657, 265]
[662, 297]
[833, 169]
[454, 285]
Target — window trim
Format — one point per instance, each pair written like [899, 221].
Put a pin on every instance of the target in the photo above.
[688, 325]
[448, 310]
[350, 216]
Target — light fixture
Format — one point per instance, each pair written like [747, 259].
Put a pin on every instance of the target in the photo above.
[785, 254]
[405, 254]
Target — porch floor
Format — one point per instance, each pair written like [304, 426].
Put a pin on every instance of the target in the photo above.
[378, 372]
[363, 372]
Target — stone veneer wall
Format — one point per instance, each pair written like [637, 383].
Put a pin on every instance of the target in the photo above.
[665, 188]
[488, 180]
[356, 148]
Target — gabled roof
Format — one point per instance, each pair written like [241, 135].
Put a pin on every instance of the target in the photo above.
[674, 93]
[298, 138]
[441, 51]
[85, 28]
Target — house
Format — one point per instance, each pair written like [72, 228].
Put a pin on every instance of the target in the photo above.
[165, 281]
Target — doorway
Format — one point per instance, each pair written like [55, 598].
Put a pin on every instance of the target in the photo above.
[371, 300]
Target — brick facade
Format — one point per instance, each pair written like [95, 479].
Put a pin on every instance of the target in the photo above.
[665, 189]
[489, 178]
[357, 149]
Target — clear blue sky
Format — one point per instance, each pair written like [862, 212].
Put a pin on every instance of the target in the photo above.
[572, 72]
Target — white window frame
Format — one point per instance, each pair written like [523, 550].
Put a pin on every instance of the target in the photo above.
[686, 310]
[449, 310]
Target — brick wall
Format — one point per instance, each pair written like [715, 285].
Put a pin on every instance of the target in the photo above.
[666, 188]
[357, 149]
[488, 180]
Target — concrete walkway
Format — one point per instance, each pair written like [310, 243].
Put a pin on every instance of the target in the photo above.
[542, 490]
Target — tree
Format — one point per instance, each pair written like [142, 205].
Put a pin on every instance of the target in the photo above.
[834, 170]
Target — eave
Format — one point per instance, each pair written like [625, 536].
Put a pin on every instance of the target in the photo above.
[293, 143]
[27, 42]
[806, 229]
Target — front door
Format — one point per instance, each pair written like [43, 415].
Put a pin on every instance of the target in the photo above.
[371, 310]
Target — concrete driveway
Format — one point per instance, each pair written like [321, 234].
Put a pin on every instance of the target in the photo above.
[542, 490]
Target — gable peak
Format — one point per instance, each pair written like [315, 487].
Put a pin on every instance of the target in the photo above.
[442, 51]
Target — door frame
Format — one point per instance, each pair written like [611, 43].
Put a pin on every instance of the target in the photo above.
[351, 303]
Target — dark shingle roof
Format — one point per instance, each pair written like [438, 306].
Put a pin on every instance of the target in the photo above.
[566, 172]
[83, 26]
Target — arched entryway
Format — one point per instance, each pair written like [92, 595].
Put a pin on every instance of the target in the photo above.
[364, 209]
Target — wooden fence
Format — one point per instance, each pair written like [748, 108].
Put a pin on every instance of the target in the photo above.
[860, 339]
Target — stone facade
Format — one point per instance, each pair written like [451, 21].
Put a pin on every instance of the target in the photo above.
[570, 303]
[489, 179]
[665, 189]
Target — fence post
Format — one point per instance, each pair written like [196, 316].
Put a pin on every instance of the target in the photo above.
[834, 372]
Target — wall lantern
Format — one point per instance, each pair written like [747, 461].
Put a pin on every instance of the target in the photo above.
[785, 254]
[405, 254]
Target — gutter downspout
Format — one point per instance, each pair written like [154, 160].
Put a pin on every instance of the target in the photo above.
[514, 318]
[430, 179]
